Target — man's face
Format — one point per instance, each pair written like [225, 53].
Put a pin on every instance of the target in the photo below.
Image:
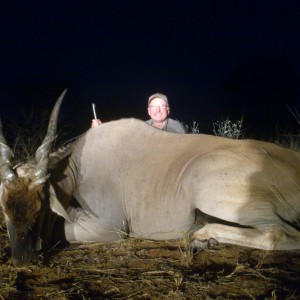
[158, 110]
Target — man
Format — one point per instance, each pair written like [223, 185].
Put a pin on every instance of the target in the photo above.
[159, 110]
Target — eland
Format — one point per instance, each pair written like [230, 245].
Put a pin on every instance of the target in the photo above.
[126, 178]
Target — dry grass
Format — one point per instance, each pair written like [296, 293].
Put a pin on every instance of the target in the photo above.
[141, 269]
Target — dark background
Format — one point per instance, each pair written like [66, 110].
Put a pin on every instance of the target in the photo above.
[213, 59]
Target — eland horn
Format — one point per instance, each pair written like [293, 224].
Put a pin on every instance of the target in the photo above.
[6, 154]
[42, 153]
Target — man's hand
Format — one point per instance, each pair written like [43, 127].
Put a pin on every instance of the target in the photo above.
[95, 123]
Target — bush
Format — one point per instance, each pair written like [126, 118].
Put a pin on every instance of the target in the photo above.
[288, 139]
[194, 129]
[28, 136]
[229, 129]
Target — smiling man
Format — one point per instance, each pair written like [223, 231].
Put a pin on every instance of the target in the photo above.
[159, 110]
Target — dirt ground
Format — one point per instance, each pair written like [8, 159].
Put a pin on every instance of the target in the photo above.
[140, 269]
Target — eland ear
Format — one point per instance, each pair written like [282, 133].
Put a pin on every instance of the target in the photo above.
[56, 206]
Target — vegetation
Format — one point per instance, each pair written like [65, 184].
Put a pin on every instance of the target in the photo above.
[28, 137]
[229, 129]
[143, 269]
[287, 139]
[226, 128]
[193, 129]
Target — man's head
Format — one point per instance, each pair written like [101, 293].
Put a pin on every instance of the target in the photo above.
[158, 107]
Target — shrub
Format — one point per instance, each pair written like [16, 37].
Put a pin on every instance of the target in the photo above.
[288, 139]
[229, 129]
[194, 129]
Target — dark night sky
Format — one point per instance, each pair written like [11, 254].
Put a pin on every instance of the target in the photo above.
[213, 59]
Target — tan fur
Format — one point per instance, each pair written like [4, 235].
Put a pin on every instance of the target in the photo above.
[127, 176]
[127, 172]
[22, 205]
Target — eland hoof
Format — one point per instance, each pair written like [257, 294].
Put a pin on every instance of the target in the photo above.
[202, 245]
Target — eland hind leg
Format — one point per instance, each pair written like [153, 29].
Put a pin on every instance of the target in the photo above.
[280, 236]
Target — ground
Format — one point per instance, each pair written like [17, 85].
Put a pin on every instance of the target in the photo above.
[140, 269]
